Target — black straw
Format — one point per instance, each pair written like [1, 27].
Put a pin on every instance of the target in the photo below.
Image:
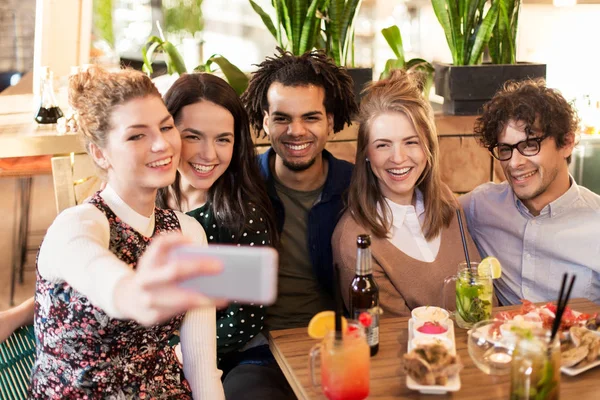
[339, 310]
[561, 304]
[464, 239]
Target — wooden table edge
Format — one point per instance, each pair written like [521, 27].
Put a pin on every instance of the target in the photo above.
[293, 381]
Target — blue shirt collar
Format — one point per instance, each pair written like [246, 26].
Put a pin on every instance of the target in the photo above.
[554, 208]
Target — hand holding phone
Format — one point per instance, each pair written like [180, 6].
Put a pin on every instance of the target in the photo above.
[249, 273]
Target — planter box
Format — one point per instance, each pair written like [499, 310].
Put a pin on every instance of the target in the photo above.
[360, 76]
[466, 89]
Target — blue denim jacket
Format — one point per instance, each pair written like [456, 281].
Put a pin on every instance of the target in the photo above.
[322, 218]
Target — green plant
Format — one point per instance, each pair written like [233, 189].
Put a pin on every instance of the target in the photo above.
[339, 30]
[467, 27]
[502, 44]
[102, 20]
[234, 76]
[297, 23]
[183, 16]
[393, 37]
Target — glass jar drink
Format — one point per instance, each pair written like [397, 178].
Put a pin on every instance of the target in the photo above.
[535, 370]
[474, 295]
[345, 364]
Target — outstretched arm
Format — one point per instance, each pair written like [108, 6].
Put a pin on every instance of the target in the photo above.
[16, 317]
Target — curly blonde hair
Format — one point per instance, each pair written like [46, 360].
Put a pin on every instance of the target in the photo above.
[95, 92]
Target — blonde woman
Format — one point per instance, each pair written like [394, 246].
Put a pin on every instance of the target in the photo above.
[397, 196]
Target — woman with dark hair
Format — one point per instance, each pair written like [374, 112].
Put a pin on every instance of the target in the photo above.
[396, 194]
[218, 183]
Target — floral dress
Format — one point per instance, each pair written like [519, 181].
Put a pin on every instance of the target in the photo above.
[85, 354]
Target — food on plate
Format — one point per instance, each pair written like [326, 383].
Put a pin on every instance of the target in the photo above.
[433, 328]
[544, 315]
[582, 347]
[593, 323]
[431, 364]
[430, 313]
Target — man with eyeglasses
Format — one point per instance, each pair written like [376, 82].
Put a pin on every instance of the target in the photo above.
[539, 223]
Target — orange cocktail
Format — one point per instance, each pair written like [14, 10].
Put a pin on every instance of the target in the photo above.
[344, 365]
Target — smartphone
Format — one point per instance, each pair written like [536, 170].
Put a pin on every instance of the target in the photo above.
[249, 273]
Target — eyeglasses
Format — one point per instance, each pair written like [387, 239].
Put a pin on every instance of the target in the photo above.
[528, 147]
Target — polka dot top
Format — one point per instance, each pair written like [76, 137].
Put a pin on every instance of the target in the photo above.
[238, 323]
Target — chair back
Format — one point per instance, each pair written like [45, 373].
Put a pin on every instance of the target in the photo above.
[75, 179]
[17, 355]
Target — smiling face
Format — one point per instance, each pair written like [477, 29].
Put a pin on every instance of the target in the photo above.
[142, 151]
[207, 135]
[297, 124]
[396, 156]
[540, 179]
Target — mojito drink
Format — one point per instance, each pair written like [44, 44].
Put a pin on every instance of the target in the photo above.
[535, 370]
[474, 294]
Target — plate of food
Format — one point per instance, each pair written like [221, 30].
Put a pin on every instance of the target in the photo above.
[544, 315]
[431, 363]
[580, 350]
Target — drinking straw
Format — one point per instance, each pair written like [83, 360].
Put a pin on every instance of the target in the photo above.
[338, 304]
[561, 304]
[464, 239]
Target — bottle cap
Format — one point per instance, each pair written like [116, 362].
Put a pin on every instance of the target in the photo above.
[363, 241]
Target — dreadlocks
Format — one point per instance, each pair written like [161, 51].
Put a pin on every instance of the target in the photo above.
[311, 68]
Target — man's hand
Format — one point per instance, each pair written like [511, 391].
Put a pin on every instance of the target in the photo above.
[151, 294]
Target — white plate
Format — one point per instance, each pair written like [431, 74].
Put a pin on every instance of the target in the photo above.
[572, 371]
[453, 383]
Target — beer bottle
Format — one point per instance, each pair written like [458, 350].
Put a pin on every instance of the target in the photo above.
[364, 293]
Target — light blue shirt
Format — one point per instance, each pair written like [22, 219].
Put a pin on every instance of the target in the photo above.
[535, 251]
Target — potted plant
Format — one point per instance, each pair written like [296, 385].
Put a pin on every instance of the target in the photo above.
[469, 27]
[175, 65]
[393, 37]
[297, 24]
[303, 25]
[338, 40]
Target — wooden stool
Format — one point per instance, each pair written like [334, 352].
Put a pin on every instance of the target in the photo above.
[23, 169]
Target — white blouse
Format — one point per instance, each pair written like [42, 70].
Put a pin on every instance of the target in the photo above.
[76, 250]
[407, 233]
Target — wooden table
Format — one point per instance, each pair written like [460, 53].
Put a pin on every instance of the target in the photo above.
[388, 380]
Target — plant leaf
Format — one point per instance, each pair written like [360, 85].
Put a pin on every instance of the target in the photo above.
[311, 26]
[336, 8]
[147, 54]
[390, 65]
[351, 9]
[442, 14]
[299, 13]
[266, 19]
[236, 78]
[483, 34]
[284, 19]
[174, 59]
[393, 37]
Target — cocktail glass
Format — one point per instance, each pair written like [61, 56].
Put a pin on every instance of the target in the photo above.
[474, 295]
[535, 370]
[345, 364]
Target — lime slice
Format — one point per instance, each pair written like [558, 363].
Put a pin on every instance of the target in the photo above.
[490, 266]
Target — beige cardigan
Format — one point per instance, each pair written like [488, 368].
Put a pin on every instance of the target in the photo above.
[404, 282]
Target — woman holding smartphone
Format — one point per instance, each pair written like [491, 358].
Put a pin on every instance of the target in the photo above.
[396, 194]
[219, 184]
[107, 296]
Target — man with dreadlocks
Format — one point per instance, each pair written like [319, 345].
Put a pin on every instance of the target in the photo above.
[298, 101]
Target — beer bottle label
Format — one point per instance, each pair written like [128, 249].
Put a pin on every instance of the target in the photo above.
[371, 331]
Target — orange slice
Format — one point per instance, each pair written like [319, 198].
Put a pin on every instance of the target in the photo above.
[322, 323]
